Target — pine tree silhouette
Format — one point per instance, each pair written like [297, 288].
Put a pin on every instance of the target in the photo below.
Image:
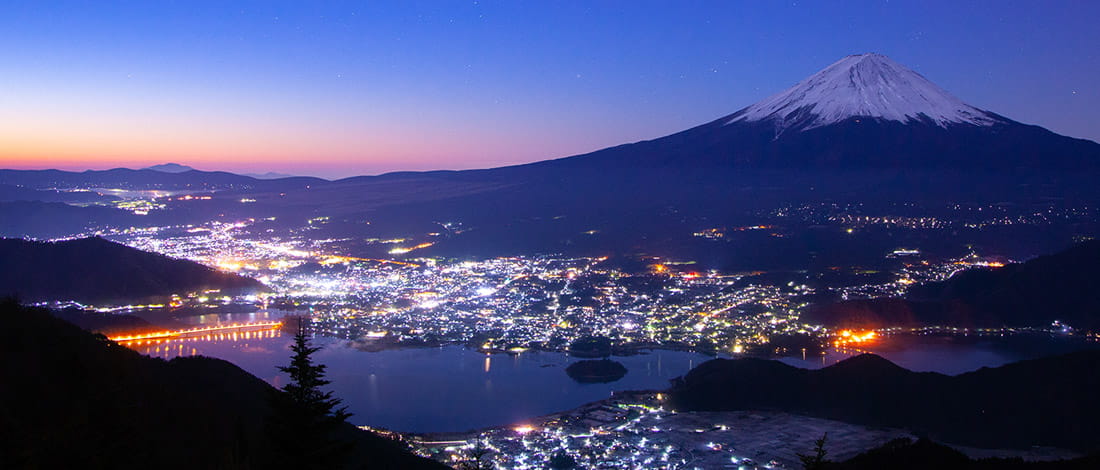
[305, 419]
[477, 457]
[817, 460]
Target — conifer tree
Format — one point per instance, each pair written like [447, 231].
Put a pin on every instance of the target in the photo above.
[817, 460]
[477, 456]
[305, 419]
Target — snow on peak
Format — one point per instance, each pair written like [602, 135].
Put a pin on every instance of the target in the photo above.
[864, 85]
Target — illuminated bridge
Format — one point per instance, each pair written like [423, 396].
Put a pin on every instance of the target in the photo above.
[200, 331]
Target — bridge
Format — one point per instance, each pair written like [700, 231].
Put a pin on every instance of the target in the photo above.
[199, 332]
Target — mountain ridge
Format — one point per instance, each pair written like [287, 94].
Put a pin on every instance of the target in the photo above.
[1035, 293]
[1046, 401]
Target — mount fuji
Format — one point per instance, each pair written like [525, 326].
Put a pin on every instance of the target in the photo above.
[864, 131]
[865, 128]
[867, 86]
[862, 112]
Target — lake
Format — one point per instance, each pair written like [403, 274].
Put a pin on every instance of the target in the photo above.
[439, 389]
[452, 388]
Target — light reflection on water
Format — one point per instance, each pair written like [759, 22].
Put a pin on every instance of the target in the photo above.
[950, 355]
[197, 345]
[454, 389]
[238, 317]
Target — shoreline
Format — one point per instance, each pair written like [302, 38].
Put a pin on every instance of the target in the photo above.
[754, 437]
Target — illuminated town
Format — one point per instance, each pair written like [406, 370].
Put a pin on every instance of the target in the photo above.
[546, 303]
[634, 431]
[550, 235]
[504, 304]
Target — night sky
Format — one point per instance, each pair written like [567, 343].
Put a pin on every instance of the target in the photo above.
[367, 87]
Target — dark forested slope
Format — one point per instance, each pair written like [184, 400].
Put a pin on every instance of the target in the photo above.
[1061, 286]
[1049, 401]
[71, 399]
[95, 270]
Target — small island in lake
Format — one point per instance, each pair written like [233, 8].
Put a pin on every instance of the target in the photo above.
[596, 371]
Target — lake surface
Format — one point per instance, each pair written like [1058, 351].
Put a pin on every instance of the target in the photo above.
[952, 355]
[440, 389]
[456, 389]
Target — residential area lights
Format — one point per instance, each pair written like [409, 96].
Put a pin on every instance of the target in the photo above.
[511, 304]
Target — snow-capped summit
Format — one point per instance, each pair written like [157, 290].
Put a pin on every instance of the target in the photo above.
[864, 85]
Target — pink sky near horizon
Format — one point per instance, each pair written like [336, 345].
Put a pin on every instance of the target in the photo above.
[72, 133]
[323, 164]
[296, 153]
[339, 89]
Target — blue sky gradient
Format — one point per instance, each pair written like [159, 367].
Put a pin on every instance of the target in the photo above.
[341, 88]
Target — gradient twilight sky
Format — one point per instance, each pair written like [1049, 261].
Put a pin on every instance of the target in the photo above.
[342, 88]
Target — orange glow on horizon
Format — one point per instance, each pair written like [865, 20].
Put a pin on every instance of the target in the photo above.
[249, 146]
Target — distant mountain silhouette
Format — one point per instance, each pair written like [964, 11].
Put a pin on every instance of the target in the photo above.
[177, 168]
[268, 176]
[169, 168]
[1046, 402]
[1035, 293]
[71, 399]
[124, 178]
[98, 270]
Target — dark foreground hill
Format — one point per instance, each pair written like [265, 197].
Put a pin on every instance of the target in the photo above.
[98, 270]
[905, 454]
[71, 399]
[1032, 294]
[1047, 402]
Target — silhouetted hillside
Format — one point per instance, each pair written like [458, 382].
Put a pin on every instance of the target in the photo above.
[1049, 401]
[10, 192]
[1061, 286]
[98, 270]
[1035, 293]
[905, 454]
[71, 399]
[105, 323]
[56, 219]
[891, 312]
